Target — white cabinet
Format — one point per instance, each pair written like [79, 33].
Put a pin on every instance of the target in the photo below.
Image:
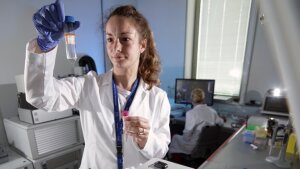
[40, 140]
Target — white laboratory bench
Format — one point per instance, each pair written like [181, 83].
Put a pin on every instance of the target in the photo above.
[235, 154]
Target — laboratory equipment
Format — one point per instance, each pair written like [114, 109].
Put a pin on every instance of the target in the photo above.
[292, 146]
[67, 159]
[279, 160]
[248, 136]
[275, 103]
[30, 114]
[40, 140]
[70, 38]
[256, 127]
[38, 116]
[87, 63]
[272, 128]
[260, 138]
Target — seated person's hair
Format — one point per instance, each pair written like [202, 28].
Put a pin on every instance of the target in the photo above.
[197, 96]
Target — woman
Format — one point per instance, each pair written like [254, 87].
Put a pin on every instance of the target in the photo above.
[101, 100]
[197, 118]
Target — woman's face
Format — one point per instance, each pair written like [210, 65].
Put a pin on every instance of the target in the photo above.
[123, 43]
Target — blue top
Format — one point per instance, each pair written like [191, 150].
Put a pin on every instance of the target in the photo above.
[69, 19]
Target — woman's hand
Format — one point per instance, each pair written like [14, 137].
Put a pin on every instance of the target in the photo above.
[137, 127]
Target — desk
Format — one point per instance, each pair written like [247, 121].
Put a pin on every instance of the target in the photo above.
[171, 165]
[181, 121]
[235, 154]
[177, 112]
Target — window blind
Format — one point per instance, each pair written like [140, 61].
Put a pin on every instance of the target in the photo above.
[223, 28]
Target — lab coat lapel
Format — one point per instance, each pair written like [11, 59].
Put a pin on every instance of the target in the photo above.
[139, 98]
[106, 86]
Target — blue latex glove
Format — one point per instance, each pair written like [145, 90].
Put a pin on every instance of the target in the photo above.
[49, 23]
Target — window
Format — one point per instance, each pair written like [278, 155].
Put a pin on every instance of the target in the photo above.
[221, 43]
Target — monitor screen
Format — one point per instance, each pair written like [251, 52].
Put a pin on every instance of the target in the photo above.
[276, 106]
[184, 87]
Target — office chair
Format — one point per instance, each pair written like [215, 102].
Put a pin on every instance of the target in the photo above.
[207, 142]
[210, 139]
[176, 126]
[225, 133]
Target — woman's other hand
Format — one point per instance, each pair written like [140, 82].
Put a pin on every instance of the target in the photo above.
[137, 127]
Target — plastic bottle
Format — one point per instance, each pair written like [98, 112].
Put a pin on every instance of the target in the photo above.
[70, 38]
[292, 142]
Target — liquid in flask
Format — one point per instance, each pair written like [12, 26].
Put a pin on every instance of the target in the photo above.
[69, 34]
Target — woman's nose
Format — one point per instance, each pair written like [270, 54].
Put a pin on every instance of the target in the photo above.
[118, 45]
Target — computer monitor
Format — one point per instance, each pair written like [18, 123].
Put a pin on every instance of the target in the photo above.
[184, 87]
[275, 105]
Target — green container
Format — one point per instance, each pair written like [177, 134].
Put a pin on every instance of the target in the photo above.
[251, 127]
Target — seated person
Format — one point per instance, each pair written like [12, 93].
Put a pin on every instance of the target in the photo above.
[200, 116]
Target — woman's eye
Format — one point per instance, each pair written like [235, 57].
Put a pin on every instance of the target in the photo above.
[125, 39]
[109, 39]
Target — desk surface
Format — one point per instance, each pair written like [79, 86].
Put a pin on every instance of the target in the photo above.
[171, 165]
[228, 123]
[235, 154]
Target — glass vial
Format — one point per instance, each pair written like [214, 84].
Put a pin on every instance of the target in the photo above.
[70, 38]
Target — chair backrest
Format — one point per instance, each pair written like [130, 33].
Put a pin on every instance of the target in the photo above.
[225, 133]
[210, 138]
[207, 142]
[176, 127]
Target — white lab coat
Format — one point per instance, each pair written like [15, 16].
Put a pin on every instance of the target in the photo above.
[198, 117]
[92, 96]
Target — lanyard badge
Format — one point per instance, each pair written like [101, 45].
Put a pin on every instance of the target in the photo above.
[119, 121]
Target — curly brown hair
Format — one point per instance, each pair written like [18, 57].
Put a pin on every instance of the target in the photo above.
[149, 64]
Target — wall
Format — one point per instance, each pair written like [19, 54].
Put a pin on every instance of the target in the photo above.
[17, 29]
[264, 72]
[167, 19]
